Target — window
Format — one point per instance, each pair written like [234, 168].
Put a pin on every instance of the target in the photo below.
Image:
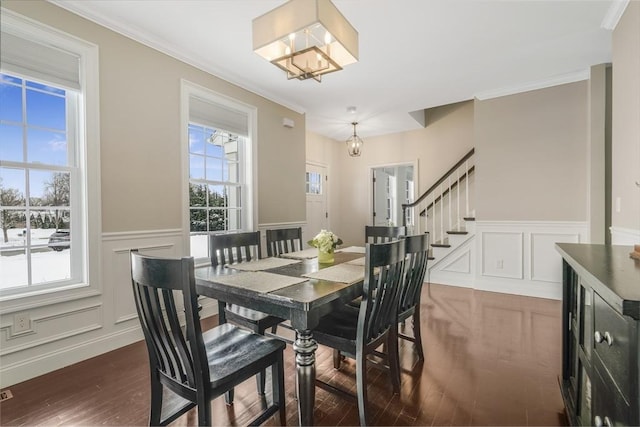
[218, 158]
[44, 157]
[215, 189]
[314, 183]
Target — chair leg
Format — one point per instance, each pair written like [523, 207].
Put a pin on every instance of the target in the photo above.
[261, 380]
[155, 413]
[277, 384]
[204, 410]
[394, 359]
[361, 382]
[228, 397]
[222, 317]
[337, 358]
[416, 332]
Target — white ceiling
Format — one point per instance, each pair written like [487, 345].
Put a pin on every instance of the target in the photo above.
[414, 54]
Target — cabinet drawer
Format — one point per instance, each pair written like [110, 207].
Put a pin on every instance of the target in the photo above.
[609, 408]
[614, 348]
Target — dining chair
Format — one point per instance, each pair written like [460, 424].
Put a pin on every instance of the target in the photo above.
[283, 241]
[189, 368]
[417, 251]
[358, 332]
[227, 249]
[379, 233]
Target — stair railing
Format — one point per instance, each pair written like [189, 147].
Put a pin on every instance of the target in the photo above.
[440, 204]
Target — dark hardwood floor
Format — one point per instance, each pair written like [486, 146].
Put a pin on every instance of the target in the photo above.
[491, 359]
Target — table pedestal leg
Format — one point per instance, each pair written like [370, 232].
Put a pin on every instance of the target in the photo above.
[305, 349]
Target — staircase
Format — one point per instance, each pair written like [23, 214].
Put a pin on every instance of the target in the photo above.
[446, 212]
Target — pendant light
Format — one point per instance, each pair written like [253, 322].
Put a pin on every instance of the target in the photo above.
[354, 143]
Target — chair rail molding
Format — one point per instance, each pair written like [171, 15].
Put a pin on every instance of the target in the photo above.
[624, 236]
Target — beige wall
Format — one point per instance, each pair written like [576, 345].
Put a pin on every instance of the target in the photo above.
[447, 138]
[626, 120]
[140, 131]
[531, 154]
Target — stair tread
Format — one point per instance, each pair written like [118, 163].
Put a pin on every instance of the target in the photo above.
[457, 232]
[441, 244]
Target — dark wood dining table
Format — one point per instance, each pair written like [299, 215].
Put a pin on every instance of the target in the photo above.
[303, 304]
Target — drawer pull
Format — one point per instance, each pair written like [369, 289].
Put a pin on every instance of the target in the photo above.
[599, 422]
[606, 337]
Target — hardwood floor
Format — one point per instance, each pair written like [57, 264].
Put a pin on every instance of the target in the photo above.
[491, 359]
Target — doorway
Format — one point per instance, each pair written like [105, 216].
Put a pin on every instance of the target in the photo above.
[392, 186]
[317, 190]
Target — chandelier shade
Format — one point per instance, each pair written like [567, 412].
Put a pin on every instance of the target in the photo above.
[354, 143]
[306, 38]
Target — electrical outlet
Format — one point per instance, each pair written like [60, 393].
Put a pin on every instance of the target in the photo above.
[499, 264]
[21, 322]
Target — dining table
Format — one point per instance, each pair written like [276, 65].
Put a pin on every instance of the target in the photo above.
[294, 287]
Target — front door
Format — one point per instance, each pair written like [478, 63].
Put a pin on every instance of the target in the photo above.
[316, 188]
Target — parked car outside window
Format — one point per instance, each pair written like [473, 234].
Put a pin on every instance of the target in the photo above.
[60, 240]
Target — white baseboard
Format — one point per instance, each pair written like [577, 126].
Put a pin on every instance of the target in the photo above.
[526, 288]
[59, 358]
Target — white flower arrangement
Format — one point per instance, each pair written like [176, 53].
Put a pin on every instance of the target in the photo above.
[326, 241]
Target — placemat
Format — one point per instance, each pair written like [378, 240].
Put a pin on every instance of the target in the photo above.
[354, 249]
[304, 254]
[260, 281]
[262, 264]
[343, 273]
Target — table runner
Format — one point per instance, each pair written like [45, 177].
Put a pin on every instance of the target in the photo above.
[357, 261]
[343, 273]
[304, 254]
[262, 264]
[260, 281]
[354, 249]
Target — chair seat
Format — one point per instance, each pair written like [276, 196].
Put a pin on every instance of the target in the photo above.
[341, 324]
[226, 347]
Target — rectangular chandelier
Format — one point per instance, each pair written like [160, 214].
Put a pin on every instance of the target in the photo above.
[306, 38]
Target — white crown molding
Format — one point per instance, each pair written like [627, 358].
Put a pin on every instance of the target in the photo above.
[160, 45]
[535, 85]
[611, 19]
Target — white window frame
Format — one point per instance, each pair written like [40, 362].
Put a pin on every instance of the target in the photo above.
[86, 191]
[249, 178]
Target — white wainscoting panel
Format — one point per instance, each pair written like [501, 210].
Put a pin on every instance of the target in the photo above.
[526, 251]
[67, 332]
[502, 254]
[546, 263]
[457, 267]
[117, 266]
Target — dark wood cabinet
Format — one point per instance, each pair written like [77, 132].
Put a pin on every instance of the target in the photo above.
[601, 332]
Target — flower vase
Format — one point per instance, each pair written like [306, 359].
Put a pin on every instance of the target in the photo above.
[325, 257]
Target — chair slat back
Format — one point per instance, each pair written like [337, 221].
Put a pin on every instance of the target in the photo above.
[178, 358]
[284, 241]
[384, 269]
[380, 234]
[234, 248]
[417, 251]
